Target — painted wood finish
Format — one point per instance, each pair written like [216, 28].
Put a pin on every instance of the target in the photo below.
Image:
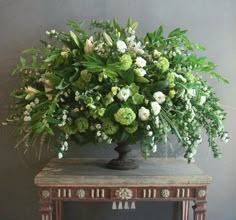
[89, 180]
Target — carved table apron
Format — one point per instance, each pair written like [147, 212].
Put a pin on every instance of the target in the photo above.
[89, 180]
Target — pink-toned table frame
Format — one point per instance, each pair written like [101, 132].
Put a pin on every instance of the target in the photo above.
[52, 195]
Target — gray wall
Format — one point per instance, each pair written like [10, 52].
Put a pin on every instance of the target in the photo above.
[211, 23]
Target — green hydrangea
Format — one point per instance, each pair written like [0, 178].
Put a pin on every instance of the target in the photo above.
[126, 62]
[163, 64]
[170, 77]
[132, 128]
[82, 124]
[125, 116]
[109, 127]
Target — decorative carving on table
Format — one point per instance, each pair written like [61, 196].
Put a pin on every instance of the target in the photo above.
[182, 192]
[149, 193]
[165, 193]
[201, 193]
[80, 193]
[124, 193]
[45, 194]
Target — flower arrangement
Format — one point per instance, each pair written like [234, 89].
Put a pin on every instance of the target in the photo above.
[109, 85]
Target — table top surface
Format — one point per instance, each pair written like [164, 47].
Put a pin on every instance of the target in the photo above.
[93, 172]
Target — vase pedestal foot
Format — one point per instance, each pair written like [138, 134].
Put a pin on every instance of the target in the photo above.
[122, 162]
[117, 164]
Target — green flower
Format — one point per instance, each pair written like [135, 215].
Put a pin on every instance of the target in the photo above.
[137, 99]
[132, 128]
[190, 77]
[108, 99]
[163, 64]
[85, 76]
[170, 77]
[109, 127]
[133, 88]
[82, 124]
[125, 116]
[126, 62]
[101, 111]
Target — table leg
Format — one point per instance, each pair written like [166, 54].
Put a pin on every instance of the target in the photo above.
[199, 210]
[185, 210]
[58, 204]
[46, 210]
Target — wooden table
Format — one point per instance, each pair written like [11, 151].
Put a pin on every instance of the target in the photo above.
[88, 180]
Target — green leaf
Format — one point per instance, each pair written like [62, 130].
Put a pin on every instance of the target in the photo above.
[141, 79]
[111, 110]
[74, 37]
[219, 77]
[51, 58]
[60, 85]
[53, 78]
[77, 26]
[52, 120]
[128, 77]
[49, 130]
[23, 61]
[177, 32]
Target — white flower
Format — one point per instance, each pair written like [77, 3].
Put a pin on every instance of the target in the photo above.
[98, 126]
[140, 71]
[53, 31]
[124, 94]
[140, 62]
[143, 113]
[47, 32]
[191, 92]
[150, 133]
[202, 100]
[60, 155]
[156, 53]
[99, 133]
[36, 101]
[62, 148]
[154, 148]
[156, 108]
[121, 46]
[64, 117]
[159, 97]
[27, 118]
[148, 127]
[157, 121]
[65, 143]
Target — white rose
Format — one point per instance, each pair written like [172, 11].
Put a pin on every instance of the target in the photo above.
[159, 97]
[143, 113]
[124, 94]
[140, 71]
[140, 62]
[156, 108]
[121, 46]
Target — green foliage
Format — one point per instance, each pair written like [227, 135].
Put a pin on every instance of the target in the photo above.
[106, 84]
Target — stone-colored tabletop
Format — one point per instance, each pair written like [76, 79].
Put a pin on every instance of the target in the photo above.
[92, 172]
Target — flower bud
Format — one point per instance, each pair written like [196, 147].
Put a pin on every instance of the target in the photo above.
[89, 47]
[107, 39]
